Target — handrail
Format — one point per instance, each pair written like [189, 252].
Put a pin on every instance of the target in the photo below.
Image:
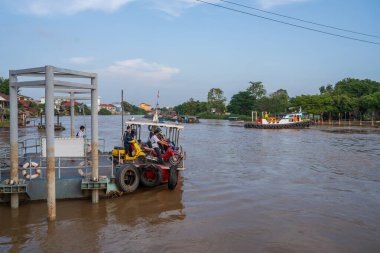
[59, 167]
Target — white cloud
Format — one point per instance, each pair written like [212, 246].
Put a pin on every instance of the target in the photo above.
[69, 7]
[268, 4]
[140, 70]
[170, 7]
[80, 60]
[176, 7]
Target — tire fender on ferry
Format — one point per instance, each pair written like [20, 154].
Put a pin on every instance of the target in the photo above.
[80, 169]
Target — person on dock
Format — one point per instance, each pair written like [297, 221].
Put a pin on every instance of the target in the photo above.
[82, 132]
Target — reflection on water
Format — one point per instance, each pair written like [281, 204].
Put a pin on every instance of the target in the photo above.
[84, 227]
[244, 190]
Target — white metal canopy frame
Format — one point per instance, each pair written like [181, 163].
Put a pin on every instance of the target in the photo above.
[52, 83]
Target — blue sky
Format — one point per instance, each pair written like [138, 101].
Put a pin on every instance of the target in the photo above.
[184, 48]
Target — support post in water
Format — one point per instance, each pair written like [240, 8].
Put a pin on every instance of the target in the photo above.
[13, 136]
[50, 152]
[94, 135]
[373, 119]
[72, 116]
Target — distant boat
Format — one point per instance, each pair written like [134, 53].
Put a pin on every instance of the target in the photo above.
[188, 119]
[235, 119]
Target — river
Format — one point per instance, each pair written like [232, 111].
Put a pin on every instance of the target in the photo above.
[244, 190]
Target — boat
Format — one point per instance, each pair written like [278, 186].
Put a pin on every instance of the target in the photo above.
[188, 119]
[290, 120]
[235, 119]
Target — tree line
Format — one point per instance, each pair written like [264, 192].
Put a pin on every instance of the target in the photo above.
[358, 99]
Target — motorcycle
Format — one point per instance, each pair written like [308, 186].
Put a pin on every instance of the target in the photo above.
[120, 156]
[171, 156]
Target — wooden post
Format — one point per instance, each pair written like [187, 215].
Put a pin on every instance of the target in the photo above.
[322, 118]
[373, 119]
[339, 115]
[330, 122]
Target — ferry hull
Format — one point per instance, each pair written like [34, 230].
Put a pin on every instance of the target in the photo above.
[303, 124]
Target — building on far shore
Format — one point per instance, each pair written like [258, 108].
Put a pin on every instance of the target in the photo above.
[145, 107]
[4, 100]
[109, 107]
[24, 98]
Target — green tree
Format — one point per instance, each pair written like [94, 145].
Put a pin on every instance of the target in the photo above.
[104, 111]
[345, 103]
[279, 101]
[356, 88]
[241, 103]
[371, 102]
[191, 107]
[4, 86]
[215, 100]
[315, 104]
[256, 90]
[132, 109]
[328, 88]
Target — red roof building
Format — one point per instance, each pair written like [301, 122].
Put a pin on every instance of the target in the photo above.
[109, 107]
[67, 104]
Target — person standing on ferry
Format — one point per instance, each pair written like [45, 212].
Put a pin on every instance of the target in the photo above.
[81, 133]
[127, 138]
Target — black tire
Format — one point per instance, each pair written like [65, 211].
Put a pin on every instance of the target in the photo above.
[174, 160]
[127, 178]
[151, 175]
[173, 178]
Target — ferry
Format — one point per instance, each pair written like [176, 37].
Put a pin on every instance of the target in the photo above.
[290, 120]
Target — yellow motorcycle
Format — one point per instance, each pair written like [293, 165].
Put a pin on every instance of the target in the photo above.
[120, 156]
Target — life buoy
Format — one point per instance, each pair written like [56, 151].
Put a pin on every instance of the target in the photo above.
[31, 165]
[80, 169]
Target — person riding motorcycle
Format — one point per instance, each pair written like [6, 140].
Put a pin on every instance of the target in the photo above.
[156, 142]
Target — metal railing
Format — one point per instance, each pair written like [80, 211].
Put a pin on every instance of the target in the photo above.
[29, 150]
[65, 167]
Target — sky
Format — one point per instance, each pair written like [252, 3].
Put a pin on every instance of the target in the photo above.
[183, 48]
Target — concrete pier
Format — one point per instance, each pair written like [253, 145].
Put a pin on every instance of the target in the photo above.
[52, 84]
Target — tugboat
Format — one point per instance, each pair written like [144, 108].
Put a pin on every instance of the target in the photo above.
[290, 120]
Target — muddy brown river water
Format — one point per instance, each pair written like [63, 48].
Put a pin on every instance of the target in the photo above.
[244, 190]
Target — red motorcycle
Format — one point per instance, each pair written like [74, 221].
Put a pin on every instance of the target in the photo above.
[171, 156]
